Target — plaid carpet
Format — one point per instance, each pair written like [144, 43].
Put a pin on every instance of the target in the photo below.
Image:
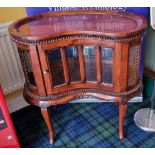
[81, 125]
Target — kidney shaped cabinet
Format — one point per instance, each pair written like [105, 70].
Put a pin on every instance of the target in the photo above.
[70, 54]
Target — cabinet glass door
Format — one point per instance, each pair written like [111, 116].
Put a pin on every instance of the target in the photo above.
[65, 65]
[56, 66]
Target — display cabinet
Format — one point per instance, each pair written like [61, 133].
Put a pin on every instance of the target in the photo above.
[83, 53]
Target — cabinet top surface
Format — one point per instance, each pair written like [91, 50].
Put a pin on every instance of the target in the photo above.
[111, 23]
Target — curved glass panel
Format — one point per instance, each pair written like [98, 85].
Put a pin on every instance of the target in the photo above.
[56, 66]
[107, 65]
[73, 63]
[89, 53]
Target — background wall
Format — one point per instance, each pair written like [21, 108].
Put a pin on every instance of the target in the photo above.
[149, 62]
[8, 14]
[150, 49]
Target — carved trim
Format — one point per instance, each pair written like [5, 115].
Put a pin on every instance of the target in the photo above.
[75, 36]
[75, 91]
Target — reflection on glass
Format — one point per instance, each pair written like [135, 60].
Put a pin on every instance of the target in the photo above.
[90, 62]
[56, 66]
[107, 62]
[73, 63]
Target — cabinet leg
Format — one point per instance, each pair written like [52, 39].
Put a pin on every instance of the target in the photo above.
[46, 115]
[122, 112]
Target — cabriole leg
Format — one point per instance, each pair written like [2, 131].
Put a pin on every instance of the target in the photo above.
[122, 112]
[46, 115]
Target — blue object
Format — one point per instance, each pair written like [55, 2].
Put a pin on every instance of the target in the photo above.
[84, 126]
[139, 10]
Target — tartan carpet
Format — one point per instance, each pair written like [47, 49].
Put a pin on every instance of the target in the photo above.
[81, 125]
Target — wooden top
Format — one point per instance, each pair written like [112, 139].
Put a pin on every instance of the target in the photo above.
[59, 23]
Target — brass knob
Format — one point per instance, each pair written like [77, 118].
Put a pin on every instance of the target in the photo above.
[45, 71]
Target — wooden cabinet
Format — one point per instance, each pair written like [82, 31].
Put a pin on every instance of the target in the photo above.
[69, 54]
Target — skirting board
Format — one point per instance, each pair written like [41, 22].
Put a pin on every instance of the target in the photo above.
[18, 102]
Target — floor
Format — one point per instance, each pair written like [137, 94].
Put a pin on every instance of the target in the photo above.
[81, 125]
[16, 103]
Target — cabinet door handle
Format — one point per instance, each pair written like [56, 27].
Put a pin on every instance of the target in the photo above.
[45, 71]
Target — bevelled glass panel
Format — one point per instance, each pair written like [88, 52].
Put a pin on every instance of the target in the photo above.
[90, 62]
[56, 66]
[73, 63]
[27, 66]
[107, 65]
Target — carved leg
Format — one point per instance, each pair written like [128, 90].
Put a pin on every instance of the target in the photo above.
[47, 118]
[122, 111]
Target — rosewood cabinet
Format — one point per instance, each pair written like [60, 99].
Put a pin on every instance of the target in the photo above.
[70, 54]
